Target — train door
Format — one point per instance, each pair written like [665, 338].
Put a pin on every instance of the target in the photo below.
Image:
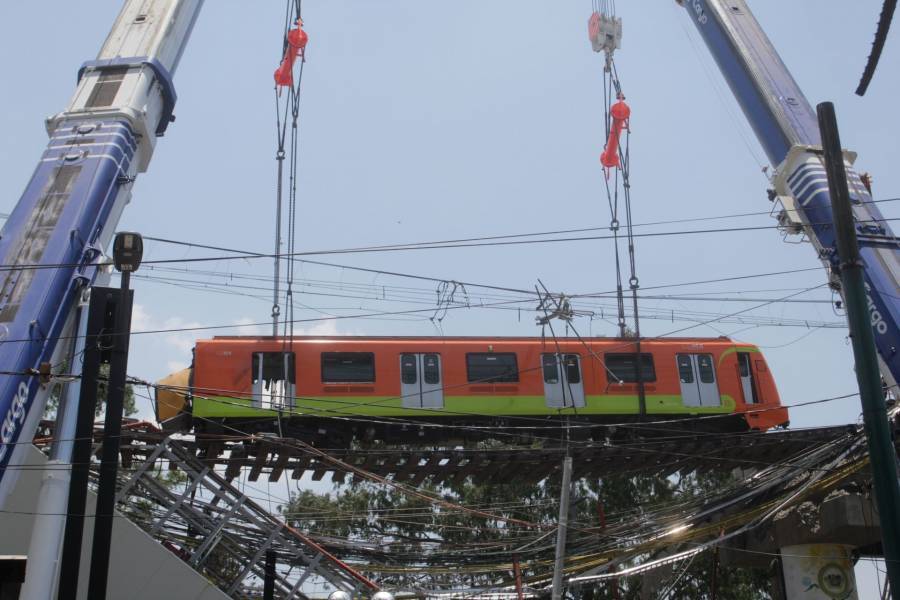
[748, 385]
[274, 380]
[420, 381]
[563, 386]
[697, 374]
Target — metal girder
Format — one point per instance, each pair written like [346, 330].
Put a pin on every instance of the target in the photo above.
[218, 530]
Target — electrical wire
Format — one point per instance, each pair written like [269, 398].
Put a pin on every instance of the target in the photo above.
[404, 248]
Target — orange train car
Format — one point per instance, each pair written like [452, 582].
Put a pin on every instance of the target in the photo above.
[371, 386]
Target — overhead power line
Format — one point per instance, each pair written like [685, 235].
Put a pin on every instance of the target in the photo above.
[246, 255]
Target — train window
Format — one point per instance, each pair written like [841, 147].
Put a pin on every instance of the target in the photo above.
[408, 370]
[273, 367]
[492, 367]
[273, 378]
[621, 368]
[432, 367]
[551, 369]
[685, 368]
[744, 363]
[705, 368]
[573, 373]
[348, 367]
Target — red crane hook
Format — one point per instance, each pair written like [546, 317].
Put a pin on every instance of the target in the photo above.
[620, 113]
[296, 39]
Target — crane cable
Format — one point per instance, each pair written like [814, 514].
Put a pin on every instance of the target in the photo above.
[604, 31]
[287, 108]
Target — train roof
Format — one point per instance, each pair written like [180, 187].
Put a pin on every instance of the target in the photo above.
[537, 339]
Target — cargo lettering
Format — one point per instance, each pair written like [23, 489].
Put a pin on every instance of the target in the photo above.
[701, 14]
[14, 417]
[875, 317]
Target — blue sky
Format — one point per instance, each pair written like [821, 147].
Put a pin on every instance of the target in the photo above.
[425, 122]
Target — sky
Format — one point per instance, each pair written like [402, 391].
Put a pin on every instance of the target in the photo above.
[422, 121]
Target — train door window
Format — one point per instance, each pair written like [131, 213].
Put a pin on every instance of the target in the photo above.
[420, 381]
[551, 368]
[697, 374]
[348, 367]
[573, 368]
[705, 367]
[492, 367]
[685, 368]
[431, 369]
[748, 386]
[562, 380]
[409, 371]
[621, 368]
[273, 380]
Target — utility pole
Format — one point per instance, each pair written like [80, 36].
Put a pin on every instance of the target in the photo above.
[882, 455]
[98, 320]
[563, 525]
[127, 253]
[269, 581]
[517, 571]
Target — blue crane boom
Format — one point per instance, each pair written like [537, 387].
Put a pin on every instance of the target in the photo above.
[52, 245]
[787, 128]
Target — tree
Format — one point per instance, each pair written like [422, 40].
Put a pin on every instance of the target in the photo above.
[448, 546]
[129, 406]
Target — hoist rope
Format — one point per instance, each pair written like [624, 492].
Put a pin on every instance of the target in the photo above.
[619, 181]
[287, 109]
[618, 173]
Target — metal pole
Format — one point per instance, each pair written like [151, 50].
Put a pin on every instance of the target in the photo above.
[269, 582]
[81, 447]
[112, 435]
[561, 531]
[882, 455]
[517, 571]
[46, 536]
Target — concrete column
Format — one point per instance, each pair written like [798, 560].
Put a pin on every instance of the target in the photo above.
[818, 572]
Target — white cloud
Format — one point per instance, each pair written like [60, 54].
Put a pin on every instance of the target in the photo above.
[248, 326]
[175, 366]
[182, 341]
[140, 318]
[321, 328]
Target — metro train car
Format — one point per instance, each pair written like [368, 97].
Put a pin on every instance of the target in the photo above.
[341, 388]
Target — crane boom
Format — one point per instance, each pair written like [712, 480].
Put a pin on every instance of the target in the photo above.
[53, 243]
[787, 128]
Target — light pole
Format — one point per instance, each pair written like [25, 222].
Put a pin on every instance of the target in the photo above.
[128, 249]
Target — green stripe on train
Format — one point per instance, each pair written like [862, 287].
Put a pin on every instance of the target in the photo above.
[386, 406]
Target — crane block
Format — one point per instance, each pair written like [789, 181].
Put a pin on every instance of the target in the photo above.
[605, 33]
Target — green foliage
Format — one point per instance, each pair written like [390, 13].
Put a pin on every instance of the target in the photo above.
[414, 531]
[129, 405]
